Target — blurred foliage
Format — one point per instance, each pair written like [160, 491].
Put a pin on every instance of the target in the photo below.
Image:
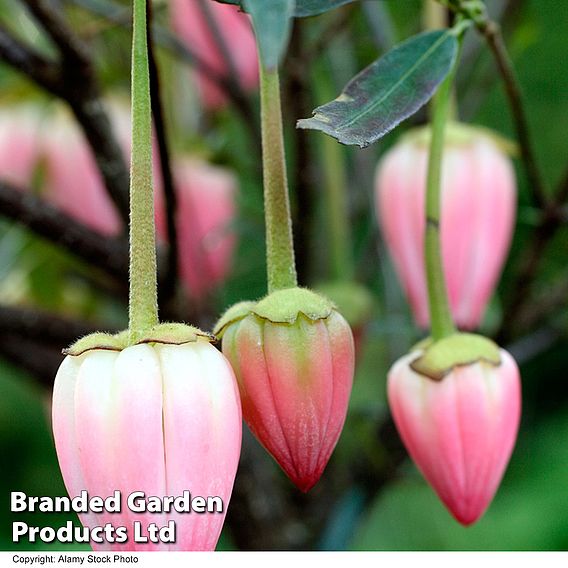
[401, 512]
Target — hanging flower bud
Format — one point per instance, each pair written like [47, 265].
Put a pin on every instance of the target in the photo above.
[161, 416]
[456, 404]
[477, 211]
[293, 356]
[189, 20]
[205, 210]
[19, 145]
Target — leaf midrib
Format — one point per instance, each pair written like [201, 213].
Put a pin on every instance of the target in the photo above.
[378, 102]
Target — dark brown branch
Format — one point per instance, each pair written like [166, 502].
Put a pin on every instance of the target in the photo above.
[492, 33]
[40, 361]
[42, 71]
[167, 290]
[73, 81]
[494, 38]
[164, 38]
[45, 328]
[71, 49]
[109, 254]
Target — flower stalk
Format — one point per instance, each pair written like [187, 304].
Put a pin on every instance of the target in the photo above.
[143, 297]
[440, 317]
[281, 270]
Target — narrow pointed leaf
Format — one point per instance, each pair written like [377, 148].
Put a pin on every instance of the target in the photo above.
[272, 23]
[387, 92]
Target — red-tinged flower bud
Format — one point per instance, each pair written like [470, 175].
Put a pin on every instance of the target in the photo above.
[293, 356]
[157, 417]
[205, 211]
[477, 210]
[190, 22]
[458, 421]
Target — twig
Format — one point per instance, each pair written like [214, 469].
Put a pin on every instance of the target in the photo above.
[167, 290]
[109, 254]
[71, 49]
[163, 37]
[492, 33]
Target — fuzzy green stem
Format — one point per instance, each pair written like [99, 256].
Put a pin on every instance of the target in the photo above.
[440, 316]
[281, 268]
[143, 300]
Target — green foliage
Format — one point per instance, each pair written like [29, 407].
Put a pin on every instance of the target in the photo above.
[388, 91]
[272, 27]
[530, 511]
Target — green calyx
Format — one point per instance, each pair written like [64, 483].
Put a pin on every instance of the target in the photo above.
[233, 315]
[282, 306]
[460, 134]
[439, 358]
[353, 300]
[163, 333]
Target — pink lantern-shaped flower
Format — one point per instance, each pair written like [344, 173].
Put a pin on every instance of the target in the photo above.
[190, 22]
[155, 418]
[478, 201]
[460, 430]
[205, 210]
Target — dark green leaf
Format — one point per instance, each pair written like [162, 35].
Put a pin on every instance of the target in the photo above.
[303, 7]
[272, 22]
[387, 92]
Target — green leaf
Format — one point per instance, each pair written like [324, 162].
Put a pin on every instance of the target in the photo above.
[303, 7]
[272, 23]
[387, 92]
[314, 7]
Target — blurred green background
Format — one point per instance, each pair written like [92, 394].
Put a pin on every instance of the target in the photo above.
[373, 498]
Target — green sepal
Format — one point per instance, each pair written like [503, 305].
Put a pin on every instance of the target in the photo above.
[461, 134]
[163, 333]
[232, 315]
[174, 334]
[439, 358]
[284, 306]
[98, 340]
[353, 300]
